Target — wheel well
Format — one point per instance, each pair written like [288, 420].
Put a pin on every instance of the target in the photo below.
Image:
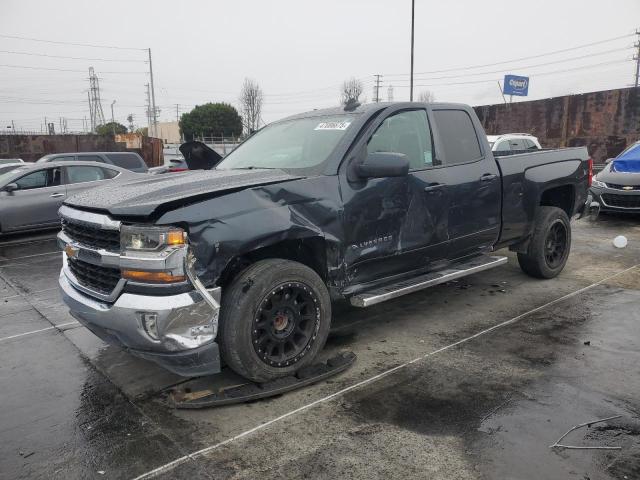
[308, 251]
[562, 197]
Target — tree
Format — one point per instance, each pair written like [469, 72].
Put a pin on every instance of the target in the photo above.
[111, 128]
[130, 120]
[211, 120]
[251, 103]
[351, 90]
[144, 131]
[426, 96]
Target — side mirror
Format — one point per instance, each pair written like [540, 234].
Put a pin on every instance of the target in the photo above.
[11, 187]
[609, 160]
[384, 164]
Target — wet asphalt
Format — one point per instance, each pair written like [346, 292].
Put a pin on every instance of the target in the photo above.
[478, 402]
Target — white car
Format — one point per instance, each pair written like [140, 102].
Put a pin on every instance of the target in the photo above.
[513, 142]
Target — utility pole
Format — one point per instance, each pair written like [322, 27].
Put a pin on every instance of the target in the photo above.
[390, 93]
[153, 97]
[113, 121]
[413, 10]
[148, 110]
[637, 59]
[377, 88]
[177, 113]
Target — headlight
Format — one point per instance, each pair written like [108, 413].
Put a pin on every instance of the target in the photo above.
[598, 183]
[150, 238]
[143, 247]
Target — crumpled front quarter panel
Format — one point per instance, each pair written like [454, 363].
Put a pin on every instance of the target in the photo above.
[232, 225]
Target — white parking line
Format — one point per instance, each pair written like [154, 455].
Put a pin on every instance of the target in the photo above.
[29, 293]
[55, 327]
[29, 256]
[192, 456]
[14, 243]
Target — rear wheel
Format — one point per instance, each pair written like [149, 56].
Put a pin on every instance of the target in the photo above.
[274, 319]
[550, 244]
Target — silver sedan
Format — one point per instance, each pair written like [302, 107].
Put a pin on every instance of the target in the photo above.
[32, 193]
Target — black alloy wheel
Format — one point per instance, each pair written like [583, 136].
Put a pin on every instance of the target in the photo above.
[286, 324]
[555, 244]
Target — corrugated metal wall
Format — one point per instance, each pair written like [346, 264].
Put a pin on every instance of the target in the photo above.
[32, 147]
[606, 122]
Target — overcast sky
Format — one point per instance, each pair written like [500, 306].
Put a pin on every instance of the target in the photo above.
[300, 52]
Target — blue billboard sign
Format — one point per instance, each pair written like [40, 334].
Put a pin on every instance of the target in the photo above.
[516, 85]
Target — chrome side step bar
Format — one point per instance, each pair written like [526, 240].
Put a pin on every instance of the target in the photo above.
[382, 294]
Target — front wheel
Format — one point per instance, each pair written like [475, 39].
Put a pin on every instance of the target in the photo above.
[550, 244]
[274, 319]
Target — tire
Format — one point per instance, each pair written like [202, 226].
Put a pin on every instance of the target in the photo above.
[550, 244]
[289, 303]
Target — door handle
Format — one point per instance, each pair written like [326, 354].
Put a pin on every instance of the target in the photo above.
[488, 177]
[433, 187]
[56, 195]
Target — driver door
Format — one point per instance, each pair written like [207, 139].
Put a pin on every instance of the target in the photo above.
[396, 225]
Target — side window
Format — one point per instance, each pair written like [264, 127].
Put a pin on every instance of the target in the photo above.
[91, 158]
[407, 133]
[33, 180]
[530, 145]
[109, 173]
[40, 179]
[503, 146]
[459, 139]
[64, 158]
[517, 144]
[85, 173]
[130, 161]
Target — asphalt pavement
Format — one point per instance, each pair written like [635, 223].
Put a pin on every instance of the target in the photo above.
[473, 379]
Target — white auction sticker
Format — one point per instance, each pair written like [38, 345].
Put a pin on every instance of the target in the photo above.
[333, 126]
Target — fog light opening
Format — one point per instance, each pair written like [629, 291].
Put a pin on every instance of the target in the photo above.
[150, 324]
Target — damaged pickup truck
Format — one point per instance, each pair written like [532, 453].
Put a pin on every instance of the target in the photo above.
[241, 263]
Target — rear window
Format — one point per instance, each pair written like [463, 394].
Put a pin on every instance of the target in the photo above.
[130, 161]
[91, 158]
[459, 140]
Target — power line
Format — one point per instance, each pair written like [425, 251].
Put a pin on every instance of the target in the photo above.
[541, 74]
[555, 52]
[72, 58]
[61, 69]
[70, 43]
[554, 62]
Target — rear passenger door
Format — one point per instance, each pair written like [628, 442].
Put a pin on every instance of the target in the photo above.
[473, 181]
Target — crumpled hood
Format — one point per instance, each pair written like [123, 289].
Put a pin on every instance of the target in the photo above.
[142, 197]
[609, 175]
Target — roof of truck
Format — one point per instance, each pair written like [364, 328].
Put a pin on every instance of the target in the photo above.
[366, 108]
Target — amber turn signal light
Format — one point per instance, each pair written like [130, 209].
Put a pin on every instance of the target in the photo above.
[175, 237]
[152, 277]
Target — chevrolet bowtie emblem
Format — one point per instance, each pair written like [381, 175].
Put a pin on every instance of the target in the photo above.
[627, 188]
[71, 251]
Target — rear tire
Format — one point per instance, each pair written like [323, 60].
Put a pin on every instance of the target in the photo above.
[274, 319]
[550, 244]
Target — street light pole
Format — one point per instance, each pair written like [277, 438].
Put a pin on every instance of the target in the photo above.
[413, 9]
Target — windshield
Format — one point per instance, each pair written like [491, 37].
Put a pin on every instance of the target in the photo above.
[300, 143]
[7, 172]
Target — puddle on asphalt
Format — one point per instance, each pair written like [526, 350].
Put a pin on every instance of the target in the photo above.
[511, 394]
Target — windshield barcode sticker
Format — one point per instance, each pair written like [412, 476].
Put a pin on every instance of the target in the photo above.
[333, 126]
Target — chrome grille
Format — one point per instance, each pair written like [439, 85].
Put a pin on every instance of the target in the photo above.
[100, 279]
[92, 236]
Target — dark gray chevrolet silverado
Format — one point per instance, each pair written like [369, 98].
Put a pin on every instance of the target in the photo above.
[241, 263]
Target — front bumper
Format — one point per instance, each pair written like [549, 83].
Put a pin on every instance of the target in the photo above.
[616, 200]
[119, 324]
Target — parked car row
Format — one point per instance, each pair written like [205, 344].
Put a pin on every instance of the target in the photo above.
[32, 193]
